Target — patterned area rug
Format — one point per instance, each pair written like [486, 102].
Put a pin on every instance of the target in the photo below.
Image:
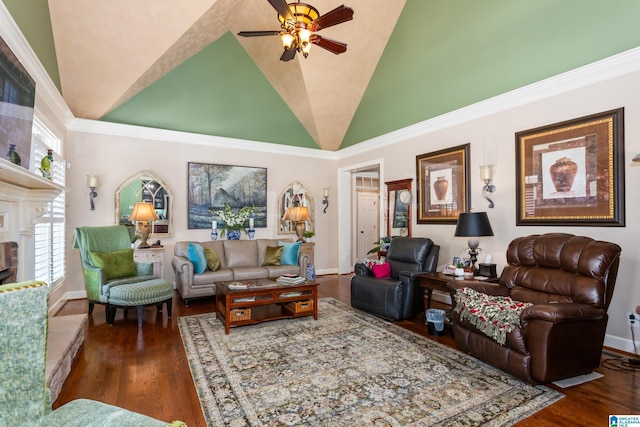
[345, 369]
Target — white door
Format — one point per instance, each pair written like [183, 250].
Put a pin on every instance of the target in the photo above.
[366, 223]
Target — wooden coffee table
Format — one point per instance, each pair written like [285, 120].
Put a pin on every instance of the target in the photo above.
[265, 300]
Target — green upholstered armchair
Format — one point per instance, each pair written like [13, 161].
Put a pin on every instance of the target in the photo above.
[24, 398]
[111, 276]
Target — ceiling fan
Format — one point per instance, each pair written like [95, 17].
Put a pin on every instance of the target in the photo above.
[300, 22]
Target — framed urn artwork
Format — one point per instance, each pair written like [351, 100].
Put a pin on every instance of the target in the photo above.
[572, 173]
[443, 185]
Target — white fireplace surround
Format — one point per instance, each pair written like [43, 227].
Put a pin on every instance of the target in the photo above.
[23, 199]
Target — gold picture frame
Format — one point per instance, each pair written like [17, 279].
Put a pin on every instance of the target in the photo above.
[572, 173]
[443, 185]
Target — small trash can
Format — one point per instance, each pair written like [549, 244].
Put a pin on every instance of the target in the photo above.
[435, 321]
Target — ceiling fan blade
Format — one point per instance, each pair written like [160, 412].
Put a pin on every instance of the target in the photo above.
[337, 16]
[288, 55]
[259, 33]
[333, 46]
[282, 8]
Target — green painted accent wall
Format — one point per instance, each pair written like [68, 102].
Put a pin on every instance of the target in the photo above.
[219, 91]
[32, 17]
[444, 55]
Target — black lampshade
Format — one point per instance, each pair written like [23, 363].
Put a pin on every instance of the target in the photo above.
[472, 224]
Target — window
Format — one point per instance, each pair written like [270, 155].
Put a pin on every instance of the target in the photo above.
[50, 228]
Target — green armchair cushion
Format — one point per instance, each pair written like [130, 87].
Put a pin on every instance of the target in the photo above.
[290, 253]
[115, 264]
[195, 253]
[273, 255]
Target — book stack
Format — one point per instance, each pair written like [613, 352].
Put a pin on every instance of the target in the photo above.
[290, 279]
[240, 285]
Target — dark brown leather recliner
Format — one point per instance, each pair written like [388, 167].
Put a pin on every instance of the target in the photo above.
[570, 280]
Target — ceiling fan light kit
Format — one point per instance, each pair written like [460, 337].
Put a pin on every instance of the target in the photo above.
[300, 22]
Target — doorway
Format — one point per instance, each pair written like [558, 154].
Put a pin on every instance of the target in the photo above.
[360, 210]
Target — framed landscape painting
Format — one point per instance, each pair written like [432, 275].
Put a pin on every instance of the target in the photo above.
[211, 186]
[443, 185]
[572, 173]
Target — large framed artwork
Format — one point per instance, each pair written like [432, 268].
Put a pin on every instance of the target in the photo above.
[572, 173]
[443, 185]
[17, 98]
[212, 186]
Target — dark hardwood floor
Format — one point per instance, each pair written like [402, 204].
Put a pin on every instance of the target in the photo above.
[145, 369]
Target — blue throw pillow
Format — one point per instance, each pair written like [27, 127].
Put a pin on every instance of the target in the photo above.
[290, 253]
[196, 256]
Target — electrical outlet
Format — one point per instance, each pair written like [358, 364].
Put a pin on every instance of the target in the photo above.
[633, 319]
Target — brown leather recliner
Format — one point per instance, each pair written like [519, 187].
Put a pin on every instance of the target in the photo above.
[570, 280]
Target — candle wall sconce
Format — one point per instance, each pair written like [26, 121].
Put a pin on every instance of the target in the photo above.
[325, 202]
[486, 174]
[92, 183]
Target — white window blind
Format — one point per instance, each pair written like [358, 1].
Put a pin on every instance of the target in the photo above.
[50, 229]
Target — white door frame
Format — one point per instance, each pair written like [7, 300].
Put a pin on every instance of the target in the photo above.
[346, 206]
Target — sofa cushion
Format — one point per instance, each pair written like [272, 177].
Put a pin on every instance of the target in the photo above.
[213, 261]
[209, 277]
[290, 253]
[241, 253]
[249, 273]
[273, 255]
[195, 254]
[115, 264]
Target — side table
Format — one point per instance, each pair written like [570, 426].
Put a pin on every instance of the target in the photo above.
[435, 281]
[152, 255]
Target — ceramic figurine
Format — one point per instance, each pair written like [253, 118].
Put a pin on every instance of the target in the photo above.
[45, 165]
[13, 155]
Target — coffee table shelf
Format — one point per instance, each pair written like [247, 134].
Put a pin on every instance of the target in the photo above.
[266, 300]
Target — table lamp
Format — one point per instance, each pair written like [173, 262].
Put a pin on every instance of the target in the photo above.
[142, 214]
[298, 215]
[473, 225]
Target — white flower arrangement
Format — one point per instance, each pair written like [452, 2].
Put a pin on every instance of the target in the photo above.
[233, 220]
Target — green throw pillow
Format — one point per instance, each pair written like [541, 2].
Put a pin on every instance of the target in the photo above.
[213, 261]
[273, 255]
[115, 264]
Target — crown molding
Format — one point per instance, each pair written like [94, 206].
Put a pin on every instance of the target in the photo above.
[154, 134]
[596, 72]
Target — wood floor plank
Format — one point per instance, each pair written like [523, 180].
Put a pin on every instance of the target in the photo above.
[146, 370]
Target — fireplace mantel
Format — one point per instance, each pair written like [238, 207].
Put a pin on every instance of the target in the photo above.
[23, 199]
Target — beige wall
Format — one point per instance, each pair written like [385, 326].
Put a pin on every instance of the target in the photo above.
[495, 134]
[115, 158]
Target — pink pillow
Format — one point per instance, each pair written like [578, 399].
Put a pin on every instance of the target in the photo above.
[381, 271]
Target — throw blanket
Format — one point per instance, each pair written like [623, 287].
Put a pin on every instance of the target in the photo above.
[494, 316]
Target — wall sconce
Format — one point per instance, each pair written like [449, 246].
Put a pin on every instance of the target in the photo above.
[92, 183]
[325, 202]
[486, 174]
[636, 158]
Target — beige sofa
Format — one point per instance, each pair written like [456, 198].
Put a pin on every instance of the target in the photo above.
[239, 259]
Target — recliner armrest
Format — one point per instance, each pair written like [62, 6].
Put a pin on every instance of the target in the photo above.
[493, 289]
[562, 312]
[362, 270]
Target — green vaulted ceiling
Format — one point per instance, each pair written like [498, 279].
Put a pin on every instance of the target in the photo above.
[406, 61]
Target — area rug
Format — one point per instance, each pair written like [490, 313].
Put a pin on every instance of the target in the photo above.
[345, 369]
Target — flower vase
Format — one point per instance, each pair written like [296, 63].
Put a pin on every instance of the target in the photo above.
[214, 234]
[252, 233]
[233, 234]
[13, 155]
[311, 272]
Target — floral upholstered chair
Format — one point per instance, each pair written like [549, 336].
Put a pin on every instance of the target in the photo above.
[24, 398]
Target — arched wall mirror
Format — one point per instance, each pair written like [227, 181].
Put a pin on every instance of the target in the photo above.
[294, 193]
[145, 187]
[399, 207]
